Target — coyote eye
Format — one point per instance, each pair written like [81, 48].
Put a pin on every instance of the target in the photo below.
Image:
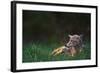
[74, 41]
[77, 38]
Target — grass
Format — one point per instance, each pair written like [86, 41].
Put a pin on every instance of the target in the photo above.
[40, 52]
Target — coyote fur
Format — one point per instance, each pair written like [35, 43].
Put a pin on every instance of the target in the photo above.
[74, 46]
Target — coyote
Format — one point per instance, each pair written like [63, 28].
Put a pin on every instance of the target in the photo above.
[71, 48]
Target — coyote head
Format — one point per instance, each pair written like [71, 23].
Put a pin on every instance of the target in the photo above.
[74, 40]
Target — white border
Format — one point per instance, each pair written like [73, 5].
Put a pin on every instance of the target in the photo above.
[37, 65]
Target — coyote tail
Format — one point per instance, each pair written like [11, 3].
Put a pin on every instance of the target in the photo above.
[58, 51]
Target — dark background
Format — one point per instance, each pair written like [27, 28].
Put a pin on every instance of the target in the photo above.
[56, 26]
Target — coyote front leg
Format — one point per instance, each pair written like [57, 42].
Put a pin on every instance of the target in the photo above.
[73, 51]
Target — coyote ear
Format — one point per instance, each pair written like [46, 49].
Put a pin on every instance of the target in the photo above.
[81, 35]
[69, 35]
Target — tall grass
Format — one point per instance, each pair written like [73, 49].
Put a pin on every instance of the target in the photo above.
[41, 52]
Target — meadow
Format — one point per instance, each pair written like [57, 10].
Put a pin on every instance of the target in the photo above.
[41, 52]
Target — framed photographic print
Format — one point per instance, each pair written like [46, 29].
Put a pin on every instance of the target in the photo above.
[47, 36]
